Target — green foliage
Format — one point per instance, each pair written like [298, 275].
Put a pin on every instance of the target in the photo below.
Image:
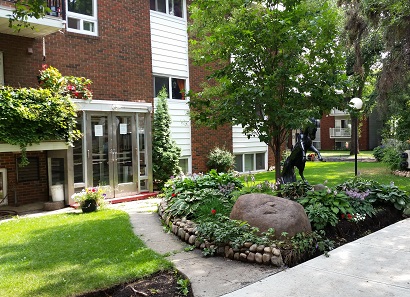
[378, 153]
[221, 160]
[285, 65]
[165, 152]
[295, 190]
[25, 9]
[187, 204]
[375, 193]
[30, 116]
[223, 230]
[183, 285]
[225, 182]
[306, 244]
[323, 207]
[320, 215]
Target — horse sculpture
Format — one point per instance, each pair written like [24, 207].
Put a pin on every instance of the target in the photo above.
[297, 157]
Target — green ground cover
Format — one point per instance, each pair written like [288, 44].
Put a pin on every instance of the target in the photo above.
[68, 254]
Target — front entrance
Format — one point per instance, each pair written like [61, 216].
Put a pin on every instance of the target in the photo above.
[111, 148]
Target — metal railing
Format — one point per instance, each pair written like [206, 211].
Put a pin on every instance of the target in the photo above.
[57, 7]
[340, 132]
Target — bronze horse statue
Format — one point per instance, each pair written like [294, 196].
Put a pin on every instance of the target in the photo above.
[297, 157]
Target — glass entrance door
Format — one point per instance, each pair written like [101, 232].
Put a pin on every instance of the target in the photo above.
[111, 143]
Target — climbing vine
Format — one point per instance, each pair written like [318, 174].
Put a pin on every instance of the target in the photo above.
[29, 116]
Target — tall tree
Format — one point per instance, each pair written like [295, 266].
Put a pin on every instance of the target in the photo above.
[273, 64]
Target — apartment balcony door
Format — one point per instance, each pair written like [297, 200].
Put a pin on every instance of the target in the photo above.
[112, 153]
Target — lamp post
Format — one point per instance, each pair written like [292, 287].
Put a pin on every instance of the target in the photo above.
[356, 104]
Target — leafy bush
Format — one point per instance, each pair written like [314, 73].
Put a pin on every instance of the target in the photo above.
[222, 230]
[378, 153]
[323, 207]
[320, 216]
[295, 190]
[221, 160]
[391, 152]
[186, 204]
[225, 182]
[375, 193]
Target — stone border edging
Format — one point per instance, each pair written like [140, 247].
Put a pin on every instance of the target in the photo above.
[249, 252]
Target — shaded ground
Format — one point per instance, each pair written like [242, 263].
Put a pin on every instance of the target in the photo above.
[162, 284]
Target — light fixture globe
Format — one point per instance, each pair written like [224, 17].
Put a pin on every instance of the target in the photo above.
[356, 103]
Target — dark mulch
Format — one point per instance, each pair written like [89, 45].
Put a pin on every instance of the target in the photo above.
[161, 284]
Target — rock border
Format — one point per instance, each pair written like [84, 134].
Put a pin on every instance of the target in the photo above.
[249, 252]
[401, 173]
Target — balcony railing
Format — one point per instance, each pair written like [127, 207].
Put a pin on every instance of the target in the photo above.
[51, 23]
[340, 132]
[337, 112]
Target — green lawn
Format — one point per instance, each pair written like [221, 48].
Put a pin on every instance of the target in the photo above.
[338, 172]
[68, 254]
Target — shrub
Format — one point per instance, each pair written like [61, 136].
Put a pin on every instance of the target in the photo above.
[375, 193]
[221, 160]
[323, 207]
[378, 153]
[295, 190]
[165, 152]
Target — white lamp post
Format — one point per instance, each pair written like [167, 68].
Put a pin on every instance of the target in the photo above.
[356, 104]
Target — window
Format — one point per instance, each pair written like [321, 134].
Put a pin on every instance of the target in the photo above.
[175, 87]
[250, 162]
[184, 164]
[82, 16]
[30, 172]
[172, 7]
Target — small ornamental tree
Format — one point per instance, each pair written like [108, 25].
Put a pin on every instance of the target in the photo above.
[165, 152]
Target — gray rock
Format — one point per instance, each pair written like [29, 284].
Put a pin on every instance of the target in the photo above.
[265, 211]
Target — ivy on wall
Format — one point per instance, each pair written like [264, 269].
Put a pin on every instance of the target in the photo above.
[29, 116]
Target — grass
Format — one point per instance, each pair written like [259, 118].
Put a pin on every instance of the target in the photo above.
[338, 172]
[73, 253]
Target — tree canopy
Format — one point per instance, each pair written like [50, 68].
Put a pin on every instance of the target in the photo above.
[273, 65]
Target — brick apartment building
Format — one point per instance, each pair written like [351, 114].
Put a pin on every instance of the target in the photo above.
[129, 49]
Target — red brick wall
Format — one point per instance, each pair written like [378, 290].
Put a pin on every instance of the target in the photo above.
[203, 139]
[118, 61]
[29, 191]
[326, 143]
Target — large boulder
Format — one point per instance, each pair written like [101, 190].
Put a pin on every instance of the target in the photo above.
[265, 211]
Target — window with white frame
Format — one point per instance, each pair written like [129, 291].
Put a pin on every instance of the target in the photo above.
[172, 7]
[250, 162]
[82, 16]
[175, 87]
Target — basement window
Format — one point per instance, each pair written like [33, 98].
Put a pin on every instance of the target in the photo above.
[30, 172]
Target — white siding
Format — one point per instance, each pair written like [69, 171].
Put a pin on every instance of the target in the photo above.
[180, 125]
[241, 143]
[169, 45]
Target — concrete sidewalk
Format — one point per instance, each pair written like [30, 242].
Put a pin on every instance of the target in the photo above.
[375, 265]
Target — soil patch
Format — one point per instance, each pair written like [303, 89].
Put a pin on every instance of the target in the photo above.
[161, 284]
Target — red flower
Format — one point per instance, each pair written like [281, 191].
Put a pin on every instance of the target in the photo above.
[174, 195]
[93, 190]
[44, 66]
[342, 216]
[213, 211]
[349, 216]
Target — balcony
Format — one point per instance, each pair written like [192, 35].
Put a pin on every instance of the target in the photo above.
[42, 27]
[340, 132]
[337, 112]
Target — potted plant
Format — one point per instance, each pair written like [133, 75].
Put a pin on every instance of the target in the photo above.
[90, 199]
